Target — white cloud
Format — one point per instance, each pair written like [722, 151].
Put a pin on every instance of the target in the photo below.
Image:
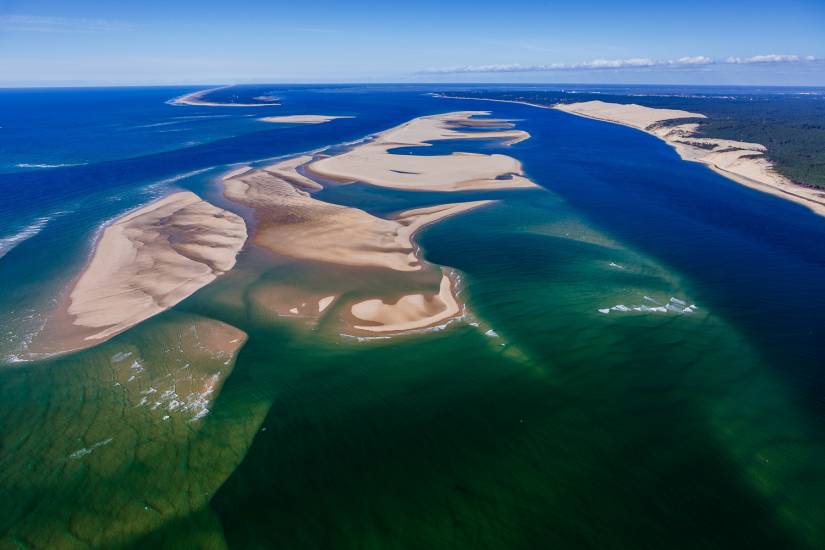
[631, 63]
[42, 23]
[770, 58]
[595, 64]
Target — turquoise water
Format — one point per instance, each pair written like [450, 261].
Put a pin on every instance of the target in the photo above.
[538, 421]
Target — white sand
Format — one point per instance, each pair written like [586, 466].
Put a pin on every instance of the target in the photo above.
[301, 119]
[372, 163]
[740, 161]
[149, 260]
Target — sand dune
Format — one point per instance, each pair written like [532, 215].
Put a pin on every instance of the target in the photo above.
[302, 119]
[410, 312]
[373, 163]
[740, 161]
[144, 263]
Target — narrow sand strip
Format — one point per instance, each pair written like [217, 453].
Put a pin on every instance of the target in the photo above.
[144, 263]
[743, 162]
[410, 312]
[302, 119]
[194, 99]
[373, 163]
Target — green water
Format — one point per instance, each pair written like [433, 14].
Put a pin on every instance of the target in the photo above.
[564, 427]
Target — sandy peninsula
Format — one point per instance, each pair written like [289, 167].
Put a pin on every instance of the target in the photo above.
[374, 163]
[196, 99]
[144, 263]
[302, 119]
[740, 161]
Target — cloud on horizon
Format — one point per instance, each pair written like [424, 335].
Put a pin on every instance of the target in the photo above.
[631, 63]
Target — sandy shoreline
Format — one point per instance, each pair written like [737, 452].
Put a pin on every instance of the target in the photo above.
[144, 263]
[302, 119]
[194, 99]
[742, 162]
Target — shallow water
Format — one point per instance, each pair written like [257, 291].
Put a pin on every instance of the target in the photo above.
[536, 421]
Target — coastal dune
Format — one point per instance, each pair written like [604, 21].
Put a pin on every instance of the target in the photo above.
[144, 263]
[374, 163]
[740, 161]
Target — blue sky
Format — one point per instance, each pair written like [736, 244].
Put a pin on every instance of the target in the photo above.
[57, 42]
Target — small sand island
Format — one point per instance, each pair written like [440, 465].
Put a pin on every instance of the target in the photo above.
[373, 162]
[740, 161]
[302, 119]
[293, 223]
[144, 263]
[195, 99]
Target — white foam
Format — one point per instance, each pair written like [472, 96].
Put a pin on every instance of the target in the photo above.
[89, 450]
[8, 243]
[120, 356]
[46, 166]
[674, 305]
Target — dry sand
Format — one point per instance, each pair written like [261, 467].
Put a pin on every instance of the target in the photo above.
[144, 263]
[302, 119]
[410, 312]
[292, 223]
[740, 161]
[373, 163]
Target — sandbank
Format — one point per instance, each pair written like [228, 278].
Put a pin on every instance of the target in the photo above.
[302, 119]
[739, 161]
[194, 99]
[292, 223]
[144, 263]
[372, 162]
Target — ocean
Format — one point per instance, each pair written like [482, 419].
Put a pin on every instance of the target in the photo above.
[640, 363]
